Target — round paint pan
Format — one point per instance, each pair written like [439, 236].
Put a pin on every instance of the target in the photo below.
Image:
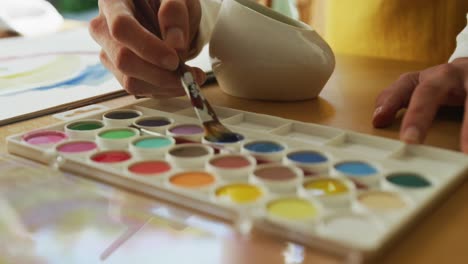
[44, 138]
[158, 124]
[359, 171]
[116, 138]
[310, 161]
[331, 191]
[148, 147]
[76, 148]
[192, 180]
[120, 117]
[115, 158]
[189, 156]
[354, 228]
[265, 150]
[277, 178]
[190, 132]
[292, 210]
[84, 129]
[406, 182]
[233, 143]
[231, 167]
[240, 194]
[381, 202]
[154, 170]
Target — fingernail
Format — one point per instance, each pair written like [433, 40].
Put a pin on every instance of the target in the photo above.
[411, 135]
[170, 62]
[175, 38]
[377, 111]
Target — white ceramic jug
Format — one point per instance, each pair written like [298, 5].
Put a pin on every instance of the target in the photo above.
[258, 53]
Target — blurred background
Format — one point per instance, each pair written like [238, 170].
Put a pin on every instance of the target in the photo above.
[416, 30]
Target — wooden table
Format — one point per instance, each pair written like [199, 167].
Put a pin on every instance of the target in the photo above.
[346, 102]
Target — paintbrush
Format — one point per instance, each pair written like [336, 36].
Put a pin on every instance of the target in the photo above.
[215, 131]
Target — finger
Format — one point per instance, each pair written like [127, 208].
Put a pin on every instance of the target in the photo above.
[174, 23]
[200, 75]
[129, 64]
[435, 85]
[123, 27]
[421, 112]
[194, 11]
[464, 131]
[135, 86]
[394, 98]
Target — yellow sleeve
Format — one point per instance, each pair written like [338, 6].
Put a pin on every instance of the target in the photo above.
[417, 30]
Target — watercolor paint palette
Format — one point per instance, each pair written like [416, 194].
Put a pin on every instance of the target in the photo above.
[324, 187]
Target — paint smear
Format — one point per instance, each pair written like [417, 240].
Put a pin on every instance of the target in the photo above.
[187, 129]
[150, 167]
[322, 187]
[356, 168]
[275, 173]
[381, 200]
[240, 193]
[292, 209]
[77, 147]
[117, 134]
[52, 71]
[44, 137]
[307, 157]
[264, 146]
[230, 162]
[409, 180]
[111, 157]
[192, 179]
[156, 142]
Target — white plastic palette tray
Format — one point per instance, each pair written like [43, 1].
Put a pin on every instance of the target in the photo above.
[360, 194]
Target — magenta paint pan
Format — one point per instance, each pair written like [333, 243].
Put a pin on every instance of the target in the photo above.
[44, 138]
[79, 148]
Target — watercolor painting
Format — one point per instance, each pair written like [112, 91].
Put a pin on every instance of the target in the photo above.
[51, 73]
[48, 71]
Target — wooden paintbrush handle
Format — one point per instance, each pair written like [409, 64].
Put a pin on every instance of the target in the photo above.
[146, 13]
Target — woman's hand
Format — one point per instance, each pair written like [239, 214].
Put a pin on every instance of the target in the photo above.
[423, 93]
[142, 62]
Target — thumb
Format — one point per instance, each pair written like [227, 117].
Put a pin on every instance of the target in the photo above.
[394, 98]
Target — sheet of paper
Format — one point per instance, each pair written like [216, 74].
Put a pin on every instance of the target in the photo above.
[41, 75]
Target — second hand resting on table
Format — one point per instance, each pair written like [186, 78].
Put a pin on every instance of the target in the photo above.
[145, 65]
